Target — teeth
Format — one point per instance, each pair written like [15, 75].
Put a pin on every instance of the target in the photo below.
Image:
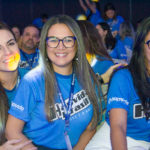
[61, 55]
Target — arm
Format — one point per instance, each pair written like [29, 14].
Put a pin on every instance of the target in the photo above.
[14, 129]
[91, 6]
[85, 138]
[106, 76]
[83, 5]
[14, 145]
[118, 124]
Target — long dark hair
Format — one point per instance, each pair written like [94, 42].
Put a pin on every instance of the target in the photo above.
[109, 6]
[138, 66]
[3, 98]
[92, 39]
[110, 41]
[82, 69]
[3, 113]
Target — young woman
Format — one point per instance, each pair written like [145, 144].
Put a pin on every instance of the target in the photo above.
[95, 49]
[97, 56]
[115, 48]
[60, 108]
[9, 80]
[128, 108]
[113, 20]
[127, 36]
[92, 11]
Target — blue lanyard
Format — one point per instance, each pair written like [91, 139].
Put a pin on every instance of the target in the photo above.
[67, 110]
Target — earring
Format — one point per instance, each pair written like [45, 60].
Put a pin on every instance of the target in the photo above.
[76, 59]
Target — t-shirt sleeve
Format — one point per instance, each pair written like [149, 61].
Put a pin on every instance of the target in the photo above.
[87, 13]
[24, 102]
[119, 92]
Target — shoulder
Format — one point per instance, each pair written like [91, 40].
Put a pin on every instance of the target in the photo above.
[120, 18]
[122, 75]
[119, 43]
[34, 75]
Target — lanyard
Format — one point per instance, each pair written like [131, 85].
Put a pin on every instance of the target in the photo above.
[67, 110]
[18, 79]
[29, 61]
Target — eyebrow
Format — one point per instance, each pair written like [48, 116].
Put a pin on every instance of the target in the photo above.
[10, 40]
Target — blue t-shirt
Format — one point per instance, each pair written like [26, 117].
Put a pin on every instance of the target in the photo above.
[11, 93]
[115, 23]
[38, 23]
[28, 106]
[100, 65]
[29, 61]
[119, 52]
[122, 94]
[95, 17]
[128, 45]
[128, 42]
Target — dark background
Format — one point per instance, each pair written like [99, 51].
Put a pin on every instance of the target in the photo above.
[23, 12]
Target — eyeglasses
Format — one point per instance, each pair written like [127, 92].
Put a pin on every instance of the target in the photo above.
[68, 41]
[148, 43]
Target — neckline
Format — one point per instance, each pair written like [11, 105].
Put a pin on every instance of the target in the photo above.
[63, 76]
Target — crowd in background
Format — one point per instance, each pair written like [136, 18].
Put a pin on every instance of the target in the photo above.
[75, 84]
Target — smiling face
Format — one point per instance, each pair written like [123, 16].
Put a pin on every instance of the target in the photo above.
[61, 57]
[9, 52]
[110, 13]
[30, 39]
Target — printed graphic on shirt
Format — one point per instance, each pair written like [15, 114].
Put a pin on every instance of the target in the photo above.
[26, 64]
[138, 112]
[80, 102]
[20, 107]
[118, 99]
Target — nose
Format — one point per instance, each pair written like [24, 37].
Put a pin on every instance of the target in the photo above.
[30, 37]
[61, 45]
[6, 50]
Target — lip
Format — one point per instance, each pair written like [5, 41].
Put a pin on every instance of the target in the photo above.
[8, 60]
[60, 54]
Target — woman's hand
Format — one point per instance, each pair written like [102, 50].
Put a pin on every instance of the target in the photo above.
[107, 74]
[15, 145]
